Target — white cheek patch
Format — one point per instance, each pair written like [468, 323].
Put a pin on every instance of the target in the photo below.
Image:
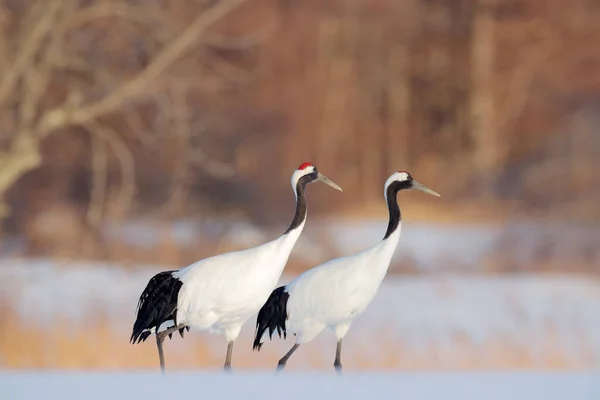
[295, 178]
[299, 173]
[396, 176]
[401, 176]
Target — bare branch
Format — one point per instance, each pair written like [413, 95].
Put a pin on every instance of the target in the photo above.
[21, 158]
[71, 62]
[180, 119]
[125, 158]
[29, 48]
[35, 82]
[4, 40]
[229, 72]
[106, 9]
[58, 117]
[162, 122]
[247, 41]
[99, 180]
[134, 120]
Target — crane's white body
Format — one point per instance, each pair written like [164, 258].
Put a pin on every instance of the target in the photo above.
[221, 293]
[333, 294]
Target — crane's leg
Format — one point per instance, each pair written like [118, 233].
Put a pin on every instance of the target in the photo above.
[338, 357]
[227, 366]
[160, 338]
[281, 363]
[161, 355]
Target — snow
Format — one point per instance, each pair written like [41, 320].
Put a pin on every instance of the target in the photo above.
[431, 246]
[303, 385]
[426, 246]
[415, 313]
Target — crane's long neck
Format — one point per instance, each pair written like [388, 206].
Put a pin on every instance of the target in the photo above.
[379, 258]
[393, 208]
[300, 215]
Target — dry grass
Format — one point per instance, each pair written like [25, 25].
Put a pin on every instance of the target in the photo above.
[102, 344]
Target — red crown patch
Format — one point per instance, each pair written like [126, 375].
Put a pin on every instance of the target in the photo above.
[305, 165]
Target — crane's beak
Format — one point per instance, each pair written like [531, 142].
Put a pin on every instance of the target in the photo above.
[423, 188]
[327, 181]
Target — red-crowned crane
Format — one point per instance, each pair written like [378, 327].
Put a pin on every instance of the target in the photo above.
[333, 294]
[222, 292]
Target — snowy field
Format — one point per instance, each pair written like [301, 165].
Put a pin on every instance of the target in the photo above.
[416, 323]
[424, 246]
[452, 336]
[300, 386]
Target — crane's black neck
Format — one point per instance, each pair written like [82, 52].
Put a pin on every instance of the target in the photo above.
[300, 215]
[393, 207]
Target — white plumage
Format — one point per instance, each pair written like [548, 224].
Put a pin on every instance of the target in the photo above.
[333, 294]
[220, 293]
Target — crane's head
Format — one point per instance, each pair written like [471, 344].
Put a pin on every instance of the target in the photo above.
[402, 180]
[307, 173]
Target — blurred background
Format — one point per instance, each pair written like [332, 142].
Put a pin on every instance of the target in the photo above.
[139, 136]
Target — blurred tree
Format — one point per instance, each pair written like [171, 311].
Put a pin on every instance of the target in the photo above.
[123, 99]
[113, 69]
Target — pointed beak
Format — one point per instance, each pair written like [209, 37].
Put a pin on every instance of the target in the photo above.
[327, 181]
[423, 188]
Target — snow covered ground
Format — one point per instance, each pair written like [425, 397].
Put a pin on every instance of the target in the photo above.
[300, 386]
[425, 246]
[439, 322]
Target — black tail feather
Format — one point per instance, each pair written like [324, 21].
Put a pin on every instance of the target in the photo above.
[272, 316]
[157, 304]
[175, 324]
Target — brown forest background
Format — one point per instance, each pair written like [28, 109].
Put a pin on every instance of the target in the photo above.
[119, 110]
